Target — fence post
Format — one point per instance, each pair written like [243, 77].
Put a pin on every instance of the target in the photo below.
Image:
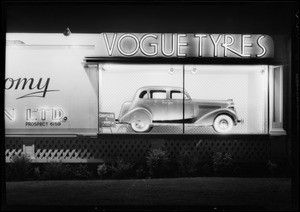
[29, 148]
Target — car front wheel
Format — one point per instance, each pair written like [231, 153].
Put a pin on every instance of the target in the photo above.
[223, 124]
[139, 126]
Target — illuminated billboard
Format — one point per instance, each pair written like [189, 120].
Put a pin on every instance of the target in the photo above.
[47, 90]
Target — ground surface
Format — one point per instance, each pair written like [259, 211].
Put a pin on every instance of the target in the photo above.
[266, 193]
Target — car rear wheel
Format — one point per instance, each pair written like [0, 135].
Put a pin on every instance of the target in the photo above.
[223, 124]
[139, 126]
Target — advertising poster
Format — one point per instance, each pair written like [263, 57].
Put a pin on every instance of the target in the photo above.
[47, 90]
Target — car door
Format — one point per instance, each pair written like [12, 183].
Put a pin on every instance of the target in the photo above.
[175, 106]
[159, 104]
[177, 99]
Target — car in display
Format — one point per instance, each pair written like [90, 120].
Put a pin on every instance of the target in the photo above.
[157, 105]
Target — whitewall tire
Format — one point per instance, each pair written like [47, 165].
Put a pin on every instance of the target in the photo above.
[223, 124]
[139, 126]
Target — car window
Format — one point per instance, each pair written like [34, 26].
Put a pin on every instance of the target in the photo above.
[178, 95]
[143, 95]
[158, 94]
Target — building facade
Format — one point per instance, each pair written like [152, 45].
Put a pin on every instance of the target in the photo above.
[119, 92]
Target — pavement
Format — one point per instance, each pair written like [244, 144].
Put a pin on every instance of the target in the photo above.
[214, 193]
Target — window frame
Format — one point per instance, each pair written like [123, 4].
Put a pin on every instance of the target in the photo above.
[158, 91]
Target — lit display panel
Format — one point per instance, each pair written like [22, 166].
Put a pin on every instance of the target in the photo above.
[187, 99]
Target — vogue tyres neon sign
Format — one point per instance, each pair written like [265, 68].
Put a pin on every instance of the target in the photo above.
[185, 45]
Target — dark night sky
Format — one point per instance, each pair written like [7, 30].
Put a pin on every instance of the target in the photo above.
[271, 18]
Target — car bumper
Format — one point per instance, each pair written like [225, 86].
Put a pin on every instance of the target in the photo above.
[241, 121]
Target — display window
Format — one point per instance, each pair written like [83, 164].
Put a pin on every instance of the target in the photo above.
[227, 98]
[143, 98]
[184, 99]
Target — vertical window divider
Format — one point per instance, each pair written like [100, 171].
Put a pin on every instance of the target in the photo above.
[183, 101]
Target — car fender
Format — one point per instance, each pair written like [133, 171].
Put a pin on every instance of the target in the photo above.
[208, 119]
[137, 114]
[124, 109]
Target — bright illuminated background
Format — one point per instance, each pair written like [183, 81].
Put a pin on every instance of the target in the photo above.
[59, 58]
[246, 85]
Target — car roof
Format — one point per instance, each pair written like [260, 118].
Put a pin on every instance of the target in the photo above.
[161, 88]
